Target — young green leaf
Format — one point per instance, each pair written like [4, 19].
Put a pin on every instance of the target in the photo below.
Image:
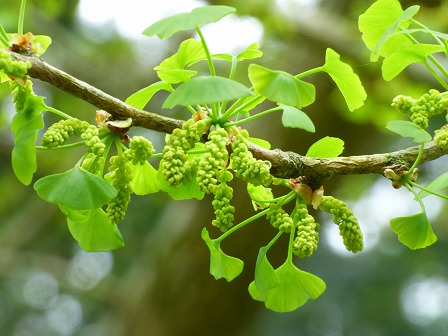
[76, 189]
[293, 117]
[414, 231]
[206, 90]
[396, 62]
[172, 70]
[374, 25]
[92, 230]
[281, 87]
[260, 142]
[42, 42]
[436, 185]
[327, 147]
[259, 193]
[140, 98]
[408, 129]
[250, 53]
[347, 81]
[184, 21]
[144, 180]
[265, 276]
[26, 125]
[294, 289]
[390, 31]
[221, 264]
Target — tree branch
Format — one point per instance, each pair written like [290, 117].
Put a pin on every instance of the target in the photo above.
[289, 164]
[77, 88]
[284, 164]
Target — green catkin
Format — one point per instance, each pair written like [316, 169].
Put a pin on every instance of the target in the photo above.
[224, 211]
[278, 218]
[307, 237]
[441, 137]
[246, 166]
[349, 227]
[58, 133]
[140, 150]
[176, 167]
[421, 109]
[120, 178]
[211, 163]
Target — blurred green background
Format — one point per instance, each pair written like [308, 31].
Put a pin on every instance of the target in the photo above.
[159, 283]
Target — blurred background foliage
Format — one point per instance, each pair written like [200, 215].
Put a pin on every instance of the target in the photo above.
[159, 284]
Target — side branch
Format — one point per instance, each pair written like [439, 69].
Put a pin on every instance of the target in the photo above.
[284, 164]
[77, 88]
[290, 165]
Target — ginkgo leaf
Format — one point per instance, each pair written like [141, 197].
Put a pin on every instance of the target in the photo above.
[140, 98]
[374, 23]
[77, 189]
[281, 87]
[396, 62]
[294, 289]
[414, 231]
[293, 117]
[265, 275]
[144, 179]
[439, 183]
[408, 129]
[26, 125]
[347, 81]
[327, 147]
[221, 264]
[184, 21]
[92, 229]
[206, 90]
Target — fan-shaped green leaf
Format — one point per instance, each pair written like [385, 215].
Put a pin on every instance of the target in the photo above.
[265, 275]
[327, 147]
[92, 230]
[221, 264]
[184, 21]
[206, 90]
[172, 70]
[375, 25]
[347, 81]
[144, 180]
[26, 125]
[414, 231]
[408, 129]
[42, 42]
[294, 289]
[140, 98]
[281, 87]
[76, 189]
[396, 62]
[250, 53]
[436, 185]
[293, 117]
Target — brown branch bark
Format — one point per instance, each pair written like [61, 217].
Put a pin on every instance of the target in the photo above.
[284, 164]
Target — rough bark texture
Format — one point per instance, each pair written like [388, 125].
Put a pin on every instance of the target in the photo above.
[284, 164]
